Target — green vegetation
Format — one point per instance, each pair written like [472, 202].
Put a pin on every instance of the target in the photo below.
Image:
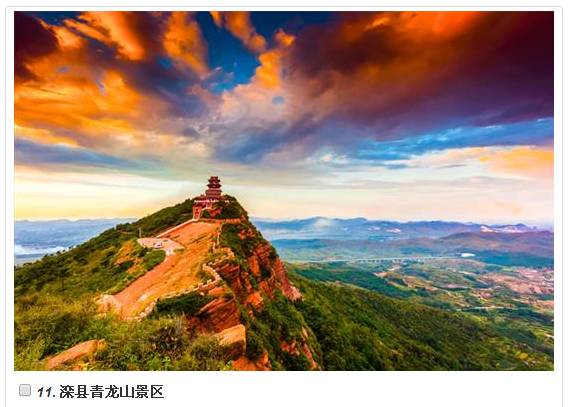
[514, 259]
[361, 330]
[187, 304]
[349, 274]
[242, 238]
[163, 219]
[55, 308]
[46, 325]
[49, 324]
[230, 209]
[450, 285]
[153, 258]
[229, 237]
[278, 323]
[160, 344]
[42, 331]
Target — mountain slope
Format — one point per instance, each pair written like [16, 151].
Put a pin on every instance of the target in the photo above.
[539, 243]
[223, 300]
[223, 272]
[361, 330]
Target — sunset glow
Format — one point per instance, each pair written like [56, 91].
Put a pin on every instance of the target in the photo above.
[385, 115]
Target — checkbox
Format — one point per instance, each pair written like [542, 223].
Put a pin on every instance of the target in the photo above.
[25, 390]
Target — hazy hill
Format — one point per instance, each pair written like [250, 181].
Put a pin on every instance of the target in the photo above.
[362, 228]
[540, 243]
[525, 248]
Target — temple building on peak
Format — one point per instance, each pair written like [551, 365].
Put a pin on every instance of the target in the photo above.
[214, 191]
[207, 200]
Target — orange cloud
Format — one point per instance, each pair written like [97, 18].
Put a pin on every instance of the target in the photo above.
[239, 24]
[86, 30]
[524, 161]
[65, 37]
[438, 26]
[100, 102]
[183, 41]
[217, 17]
[112, 28]
[269, 73]
[43, 136]
[77, 104]
[254, 100]
[406, 72]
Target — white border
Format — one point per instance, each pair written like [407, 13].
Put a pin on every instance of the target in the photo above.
[290, 388]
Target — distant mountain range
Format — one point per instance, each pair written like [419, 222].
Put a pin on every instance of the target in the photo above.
[362, 228]
[34, 239]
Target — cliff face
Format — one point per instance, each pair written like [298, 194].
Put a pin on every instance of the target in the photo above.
[264, 258]
[262, 273]
[244, 295]
[254, 279]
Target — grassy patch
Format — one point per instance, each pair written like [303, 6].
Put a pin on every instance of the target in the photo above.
[187, 304]
[153, 258]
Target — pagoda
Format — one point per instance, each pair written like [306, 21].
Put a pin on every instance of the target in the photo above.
[214, 191]
[207, 200]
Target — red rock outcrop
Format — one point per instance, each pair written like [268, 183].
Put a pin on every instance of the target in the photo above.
[236, 278]
[261, 364]
[252, 279]
[296, 348]
[264, 264]
[217, 315]
[76, 354]
[255, 300]
[289, 290]
[233, 339]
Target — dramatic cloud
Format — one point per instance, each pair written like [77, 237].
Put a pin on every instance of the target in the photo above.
[32, 40]
[362, 76]
[535, 132]
[393, 76]
[399, 74]
[239, 24]
[183, 41]
[331, 99]
[133, 34]
[30, 153]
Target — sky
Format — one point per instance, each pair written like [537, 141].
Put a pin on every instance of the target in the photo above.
[385, 115]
